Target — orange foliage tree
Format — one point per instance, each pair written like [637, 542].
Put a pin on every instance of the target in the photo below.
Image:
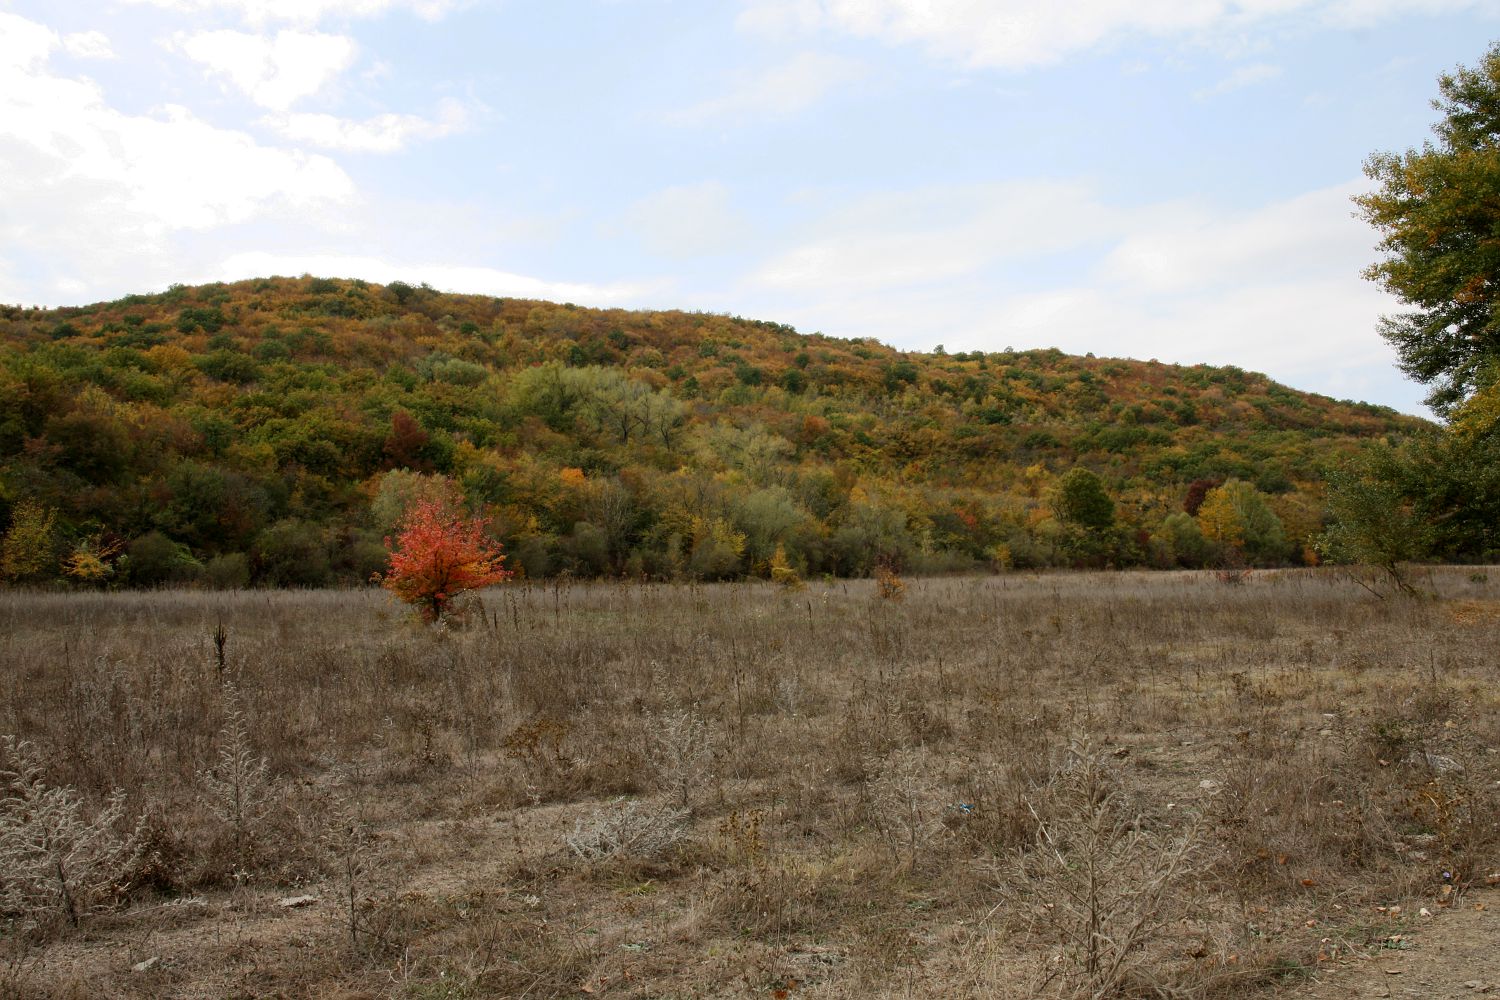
[438, 555]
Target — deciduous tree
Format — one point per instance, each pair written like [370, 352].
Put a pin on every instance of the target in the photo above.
[1373, 522]
[1079, 499]
[440, 554]
[1237, 516]
[29, 551]
[1438, 211]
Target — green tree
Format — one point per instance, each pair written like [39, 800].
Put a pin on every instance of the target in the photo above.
[1079, 500]
[1435, 494]
[1438, 209]
[766, 518]
[292, 553]
[1085, 515]
[400, 490]
[154, 560]
[1375, 522]
[1178, 541]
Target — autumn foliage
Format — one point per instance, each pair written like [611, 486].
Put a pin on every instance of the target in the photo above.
[438, 555]
[271, 432]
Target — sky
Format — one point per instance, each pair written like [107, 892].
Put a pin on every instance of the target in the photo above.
[1165, 179]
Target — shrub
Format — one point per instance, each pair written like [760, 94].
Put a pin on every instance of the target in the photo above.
[237, 789]
[626, 829]
[56, 858]
[292, 553]
[230, 571]
[154, 559]
[1102, 885]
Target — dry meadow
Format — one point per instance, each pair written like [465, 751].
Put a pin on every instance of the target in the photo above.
[1081, 785]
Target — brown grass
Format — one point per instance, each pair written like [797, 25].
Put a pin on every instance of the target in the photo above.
[835, 795]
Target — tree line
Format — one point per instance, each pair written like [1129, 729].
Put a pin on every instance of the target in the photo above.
[271, 432]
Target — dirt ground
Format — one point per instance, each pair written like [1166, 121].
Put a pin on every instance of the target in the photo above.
[1453, 953]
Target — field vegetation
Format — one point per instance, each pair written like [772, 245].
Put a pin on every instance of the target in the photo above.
[1082, 785]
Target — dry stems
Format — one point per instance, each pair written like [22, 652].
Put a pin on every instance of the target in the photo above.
[836, 732]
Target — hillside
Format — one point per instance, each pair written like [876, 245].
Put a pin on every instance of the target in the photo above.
[259, 431]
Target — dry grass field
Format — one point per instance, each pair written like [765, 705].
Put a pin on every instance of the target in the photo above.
[1090, 785]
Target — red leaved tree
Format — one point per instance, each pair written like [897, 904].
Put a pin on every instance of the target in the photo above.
[438, 555]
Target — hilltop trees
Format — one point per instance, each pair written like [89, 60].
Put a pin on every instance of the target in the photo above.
[274, 432]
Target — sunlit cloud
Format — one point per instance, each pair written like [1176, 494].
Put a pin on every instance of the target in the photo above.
[273, 71]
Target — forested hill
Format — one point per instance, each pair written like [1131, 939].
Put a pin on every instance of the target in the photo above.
[272, 431]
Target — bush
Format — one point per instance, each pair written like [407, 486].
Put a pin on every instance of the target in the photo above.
[625, 829]
[57, 858]
[154, 560]
[230, 571]
[292, 553]
[360, 557]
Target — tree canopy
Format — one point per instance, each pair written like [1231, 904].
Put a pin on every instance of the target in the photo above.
[1437, 492]
[1438, 210]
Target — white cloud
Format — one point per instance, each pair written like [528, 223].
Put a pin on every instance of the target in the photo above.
[1292, 328]
[24, 44]
[785, 89]
[471, 280]
[305, 11]
[1021, 34]
[274, 72]
[940, 233]
[388, 133]
[89, 190]
[1364, 13]
[88, 45]
[687, 221]
[1181, 250]
[1242, 77]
